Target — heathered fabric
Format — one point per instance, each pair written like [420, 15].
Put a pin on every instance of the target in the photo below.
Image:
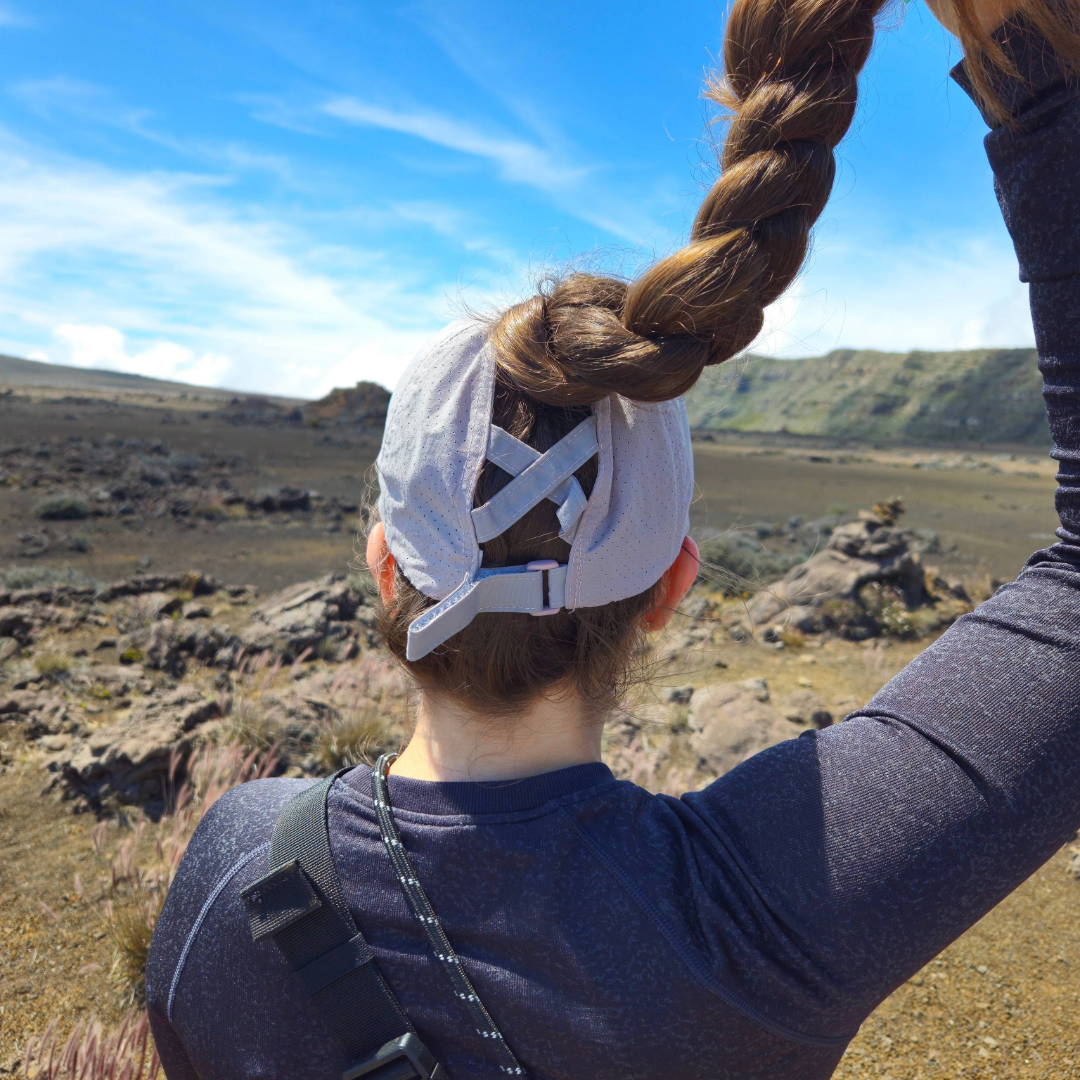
[742, 931]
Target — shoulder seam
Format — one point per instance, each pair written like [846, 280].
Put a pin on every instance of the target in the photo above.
[196, 926]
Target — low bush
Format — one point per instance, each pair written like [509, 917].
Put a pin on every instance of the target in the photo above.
[212, 510]
[737, 564]
[32, 577]
[63, 508]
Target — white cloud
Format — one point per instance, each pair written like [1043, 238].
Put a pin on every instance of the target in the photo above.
[518, 161]
[105, 347]
[163, 258]
[930, 292]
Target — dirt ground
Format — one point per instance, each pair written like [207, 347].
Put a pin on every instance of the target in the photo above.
[992, 508]
[1002, 1002]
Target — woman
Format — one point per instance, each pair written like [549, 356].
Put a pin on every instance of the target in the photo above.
[745, 930]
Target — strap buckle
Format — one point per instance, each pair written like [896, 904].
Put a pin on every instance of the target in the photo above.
[544, 565]
[403, 1058]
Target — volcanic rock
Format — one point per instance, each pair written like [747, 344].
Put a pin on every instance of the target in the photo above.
[302, 617]
[130, 760]
[806, 707]
[864, 551]
[730, 723]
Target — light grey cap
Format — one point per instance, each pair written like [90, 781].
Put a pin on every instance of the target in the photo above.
[438, 436]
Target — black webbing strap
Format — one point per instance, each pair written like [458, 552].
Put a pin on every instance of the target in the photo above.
[300, 905]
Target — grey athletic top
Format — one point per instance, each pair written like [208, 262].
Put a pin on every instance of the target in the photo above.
[742, 931]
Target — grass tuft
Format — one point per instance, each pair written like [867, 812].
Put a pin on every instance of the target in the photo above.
[125, 1052]
[52, 665]
[354, 737]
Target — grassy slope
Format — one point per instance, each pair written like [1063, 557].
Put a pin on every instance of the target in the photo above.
[977, 395]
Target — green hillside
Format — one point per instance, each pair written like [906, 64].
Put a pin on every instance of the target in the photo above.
[976, 395]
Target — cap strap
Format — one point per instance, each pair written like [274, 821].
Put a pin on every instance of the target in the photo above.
[545, 476]
[514, 456]
[503, 588]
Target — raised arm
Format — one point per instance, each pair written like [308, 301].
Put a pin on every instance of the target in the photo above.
[854, 855]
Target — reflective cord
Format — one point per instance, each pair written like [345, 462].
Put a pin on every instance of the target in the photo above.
[422, 909]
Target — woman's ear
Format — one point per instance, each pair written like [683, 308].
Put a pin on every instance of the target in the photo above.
[380, 562]
[675, 584]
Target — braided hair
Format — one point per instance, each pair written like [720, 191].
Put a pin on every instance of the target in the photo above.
[790, 91]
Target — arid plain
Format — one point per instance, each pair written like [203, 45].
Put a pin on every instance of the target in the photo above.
[169, 482]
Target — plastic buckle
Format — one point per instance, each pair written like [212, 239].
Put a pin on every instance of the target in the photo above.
[545, 565]
[403, 1058]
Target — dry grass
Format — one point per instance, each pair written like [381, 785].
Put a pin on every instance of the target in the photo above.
[353, 737]
[52, 665]
[134, 878]
[91, 1053]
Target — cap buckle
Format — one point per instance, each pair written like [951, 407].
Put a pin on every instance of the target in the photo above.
[544, 565]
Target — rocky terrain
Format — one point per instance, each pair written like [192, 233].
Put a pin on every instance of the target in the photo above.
[132, 689]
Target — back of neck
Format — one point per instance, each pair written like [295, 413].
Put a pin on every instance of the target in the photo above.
[450, 743]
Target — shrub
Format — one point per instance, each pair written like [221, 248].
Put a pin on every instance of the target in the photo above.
[80, 542]
[63, 508]
[362, 582]
[737, 564]
[134, 655]
[183, 462]
[29, 577]
[52, 665]
[212, 510]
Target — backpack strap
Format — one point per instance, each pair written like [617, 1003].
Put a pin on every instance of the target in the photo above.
[301, 905]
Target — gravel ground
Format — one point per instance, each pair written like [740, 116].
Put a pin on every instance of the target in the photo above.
[1001, 1002]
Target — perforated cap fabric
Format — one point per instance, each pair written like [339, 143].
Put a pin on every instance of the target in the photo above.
[438, 436]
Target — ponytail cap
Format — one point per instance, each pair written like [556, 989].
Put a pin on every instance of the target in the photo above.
[438, 436]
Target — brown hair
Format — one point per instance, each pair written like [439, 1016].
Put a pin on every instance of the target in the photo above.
[789, 89]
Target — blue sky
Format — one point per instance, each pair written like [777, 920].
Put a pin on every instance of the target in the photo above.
[287, 197]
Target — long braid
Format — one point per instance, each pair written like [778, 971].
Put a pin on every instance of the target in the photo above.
[790, 87]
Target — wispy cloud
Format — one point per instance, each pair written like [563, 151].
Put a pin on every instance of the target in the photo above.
[931, 292]
[105, 347]
[518, 160]
[584, 190]
[149, 261]
[10, 17]
[61, 96]
[77, 97]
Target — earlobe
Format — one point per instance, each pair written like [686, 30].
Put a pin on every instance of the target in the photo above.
[380, 562]
[675, 585]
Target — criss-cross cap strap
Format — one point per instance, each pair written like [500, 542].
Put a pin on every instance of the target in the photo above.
[505, 588]
[540, 479]
[514, 456]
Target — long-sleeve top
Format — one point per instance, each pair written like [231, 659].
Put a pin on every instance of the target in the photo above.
[745, 930]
